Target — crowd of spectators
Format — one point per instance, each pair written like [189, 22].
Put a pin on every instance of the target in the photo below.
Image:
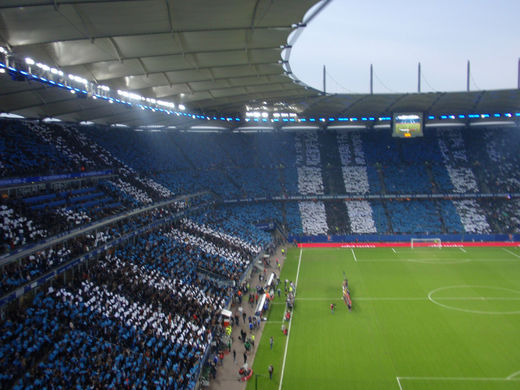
[462, 179]
[22, 153]
[121, 326]
[356, 180]
[310, 181]
[155, 165]
[314, 218]
[17, 229]
[28, 268]
[307, 149]
[360, 216]
[503, 215]
[471, 216]
[449, 216]
[413, 216]
[241, 221]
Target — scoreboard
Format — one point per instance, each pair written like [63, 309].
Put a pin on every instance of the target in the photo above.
[407, 124]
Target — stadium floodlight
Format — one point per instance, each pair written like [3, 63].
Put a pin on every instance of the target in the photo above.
[3, 50]
[182, 107]
[29, 61]
[11, 115]
[77, 79]
[43, 67]
[165, 104]
[2, 70]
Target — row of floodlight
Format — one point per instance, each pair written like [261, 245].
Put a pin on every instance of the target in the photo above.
[76, 84]
[98, 91]
[265, 114]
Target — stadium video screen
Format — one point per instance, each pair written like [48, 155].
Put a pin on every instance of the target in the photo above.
[407, 125]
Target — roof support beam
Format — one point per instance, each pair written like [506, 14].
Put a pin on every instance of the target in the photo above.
[430, 108]
[116, 49]
[146, 73]
[200, 68]
[183, 53]
[226, 78]
[57, 3]
[477, 101]
[392, 104]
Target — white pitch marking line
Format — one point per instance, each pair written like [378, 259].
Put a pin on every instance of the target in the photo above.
[399, 383]
[510, 377]
[290, 323]
[353, 254]
[415, 299]
[511, 253]
[441, 378]
[463, 250]
[368, 299]
[395, 253]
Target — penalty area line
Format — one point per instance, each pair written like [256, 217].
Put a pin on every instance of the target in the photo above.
[353, 254]
[511, 253]
[510, 377]
[455, 379]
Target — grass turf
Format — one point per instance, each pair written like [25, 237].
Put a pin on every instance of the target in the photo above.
[434, 318]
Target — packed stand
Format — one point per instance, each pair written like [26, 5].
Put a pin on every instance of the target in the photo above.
[413, 217]
[361, 217]
[471, 216]
[503, 215]
[22, 152]
[17, 230]
[314, 218]
[31, 267]
[122, 325]
[241, 220]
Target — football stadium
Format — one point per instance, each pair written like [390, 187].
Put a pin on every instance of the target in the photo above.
[180, 211]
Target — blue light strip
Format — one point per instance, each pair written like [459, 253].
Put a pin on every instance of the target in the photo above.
[324, 120]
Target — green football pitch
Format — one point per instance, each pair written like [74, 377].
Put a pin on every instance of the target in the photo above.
[424, 318]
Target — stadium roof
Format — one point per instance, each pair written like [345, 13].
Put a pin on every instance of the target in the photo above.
[212, 56]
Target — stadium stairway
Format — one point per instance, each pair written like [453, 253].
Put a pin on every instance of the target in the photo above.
[381, 179]
[331, 165]
[333, 184]
[428, 168]
[337, 217]
[227, 377]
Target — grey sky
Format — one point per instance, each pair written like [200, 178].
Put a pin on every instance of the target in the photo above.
[347, 36]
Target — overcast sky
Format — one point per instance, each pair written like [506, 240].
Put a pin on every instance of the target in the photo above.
[348, 36]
